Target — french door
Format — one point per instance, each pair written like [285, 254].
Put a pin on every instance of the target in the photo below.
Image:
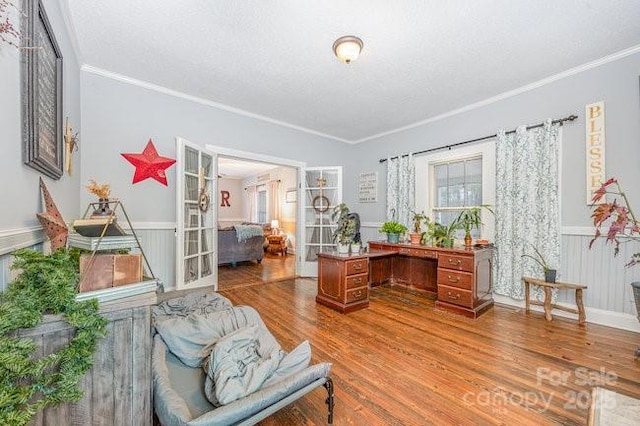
[196, 215]
[322, 192]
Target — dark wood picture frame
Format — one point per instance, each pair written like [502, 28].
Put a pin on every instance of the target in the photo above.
[41, 73]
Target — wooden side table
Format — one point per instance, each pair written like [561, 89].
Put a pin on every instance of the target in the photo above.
[277, 244]
[547, 298]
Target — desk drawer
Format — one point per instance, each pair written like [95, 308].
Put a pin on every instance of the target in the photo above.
[358, 266]
[416, 252]
[455, 278]
[455, 295]
[357, 280]
[452, 261]
[356, 294]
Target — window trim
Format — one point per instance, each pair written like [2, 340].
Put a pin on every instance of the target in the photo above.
[424, 179]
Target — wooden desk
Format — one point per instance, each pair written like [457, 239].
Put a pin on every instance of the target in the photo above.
[459, 279]
[548, 306]
[343, 279]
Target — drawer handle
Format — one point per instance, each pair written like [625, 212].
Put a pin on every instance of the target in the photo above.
[454, 297]
[357, 281]
[457, 262]
[358, 293]
[452, 280]
[357, 266]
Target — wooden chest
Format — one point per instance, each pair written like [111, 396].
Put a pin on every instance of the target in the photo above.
[343, 281]
[109, 270]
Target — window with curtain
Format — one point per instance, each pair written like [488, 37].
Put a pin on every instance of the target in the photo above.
[261, 195]
[456, 185]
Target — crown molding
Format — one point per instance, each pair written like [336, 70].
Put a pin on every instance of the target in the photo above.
[527, 88]
[164, 90]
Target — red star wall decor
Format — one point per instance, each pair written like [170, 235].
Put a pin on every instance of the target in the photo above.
[149, 164]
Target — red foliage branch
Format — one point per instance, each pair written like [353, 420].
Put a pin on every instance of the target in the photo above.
[7, 31]
[623, 226]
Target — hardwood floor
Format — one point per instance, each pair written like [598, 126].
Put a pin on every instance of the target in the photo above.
[402, 362]
[274, 267]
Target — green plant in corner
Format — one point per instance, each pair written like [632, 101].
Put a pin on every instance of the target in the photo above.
[549, 273]
[45, 285]
[346, 226]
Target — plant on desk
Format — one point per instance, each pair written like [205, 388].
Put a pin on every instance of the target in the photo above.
[345, 231]
[443, 235]
[470, 219]
[393, 230]
[416, 235]
[549, 274]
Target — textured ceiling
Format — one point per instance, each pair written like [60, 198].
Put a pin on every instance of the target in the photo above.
[421, 58]
[238, 169]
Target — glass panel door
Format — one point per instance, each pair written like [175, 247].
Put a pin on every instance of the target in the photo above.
[322, 192]
[196, 233]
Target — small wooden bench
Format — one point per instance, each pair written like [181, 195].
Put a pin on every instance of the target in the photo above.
[547, 297]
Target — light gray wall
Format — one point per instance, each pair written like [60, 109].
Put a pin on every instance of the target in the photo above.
[19, 190]
[121, 117]
[235, 210]
[616, 83]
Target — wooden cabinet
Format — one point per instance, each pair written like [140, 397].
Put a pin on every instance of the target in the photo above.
[118, 388]
[459, 278]
[277, 244]
[343, 281]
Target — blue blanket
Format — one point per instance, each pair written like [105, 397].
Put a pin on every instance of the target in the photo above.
[245, 232]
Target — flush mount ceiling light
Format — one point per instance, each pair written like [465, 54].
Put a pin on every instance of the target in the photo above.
[347, 48]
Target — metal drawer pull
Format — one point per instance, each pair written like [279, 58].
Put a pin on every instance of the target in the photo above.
[357, 266]
[451, 296]
[358, 293]
[357, 281]
[452, 280]
[451, 262]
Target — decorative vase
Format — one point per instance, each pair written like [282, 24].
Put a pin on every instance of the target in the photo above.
[415, 238]
[467, 241]
[343, 248]
[636, 296]
[103, 208]
[550, 275]
[355, 248]
[393, 238]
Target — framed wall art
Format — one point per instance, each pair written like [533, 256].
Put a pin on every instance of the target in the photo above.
[290, 196]
[41, 74]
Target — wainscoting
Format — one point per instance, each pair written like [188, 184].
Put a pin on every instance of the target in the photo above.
[608, 300]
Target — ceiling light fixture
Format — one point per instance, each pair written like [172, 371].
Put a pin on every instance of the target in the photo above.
[347, 48]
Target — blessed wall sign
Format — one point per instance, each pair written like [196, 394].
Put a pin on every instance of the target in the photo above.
[595, 139]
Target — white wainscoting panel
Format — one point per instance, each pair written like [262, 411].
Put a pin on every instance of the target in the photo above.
[159, 244]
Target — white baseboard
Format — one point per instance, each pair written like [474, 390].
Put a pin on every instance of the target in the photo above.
[594, 316]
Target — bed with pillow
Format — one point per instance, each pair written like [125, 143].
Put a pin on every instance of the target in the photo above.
[217, 364]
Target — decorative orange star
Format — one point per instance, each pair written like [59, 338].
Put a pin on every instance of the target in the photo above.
[52, 221]
[149, 164]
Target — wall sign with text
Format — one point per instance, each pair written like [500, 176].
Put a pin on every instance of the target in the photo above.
[594, 139]
[368, 187]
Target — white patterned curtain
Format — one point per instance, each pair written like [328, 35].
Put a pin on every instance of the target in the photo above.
[401, 176]
[273, 197]
[252, 203]
[527, 205]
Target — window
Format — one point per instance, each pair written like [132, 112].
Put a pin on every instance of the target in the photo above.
[449, 181]
[456, 185]
[262, 204]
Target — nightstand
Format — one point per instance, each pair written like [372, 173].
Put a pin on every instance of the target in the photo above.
[277, 244]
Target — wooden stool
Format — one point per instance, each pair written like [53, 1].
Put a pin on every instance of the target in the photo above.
[547, 298]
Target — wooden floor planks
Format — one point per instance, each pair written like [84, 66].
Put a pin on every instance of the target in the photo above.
[402, 362]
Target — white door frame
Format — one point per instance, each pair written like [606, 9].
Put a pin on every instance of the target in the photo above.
[300, 167]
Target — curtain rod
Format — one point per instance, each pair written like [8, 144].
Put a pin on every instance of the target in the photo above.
[559, 121]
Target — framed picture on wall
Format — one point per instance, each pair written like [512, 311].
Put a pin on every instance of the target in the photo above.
[41, 92]
[290, 196]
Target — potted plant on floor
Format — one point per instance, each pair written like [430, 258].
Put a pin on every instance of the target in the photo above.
[549, 273]
[470, 219]
[393, 230]
[622, 225]
[345, 231]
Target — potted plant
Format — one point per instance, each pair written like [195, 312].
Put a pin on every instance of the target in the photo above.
[345, 231]
[393, 230]
[622, 223]
[416, 235]
[549, 274]
[443, 235]
[470, 219]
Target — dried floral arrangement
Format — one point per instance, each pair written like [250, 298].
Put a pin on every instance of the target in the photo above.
[102, 191]
[8, 33]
